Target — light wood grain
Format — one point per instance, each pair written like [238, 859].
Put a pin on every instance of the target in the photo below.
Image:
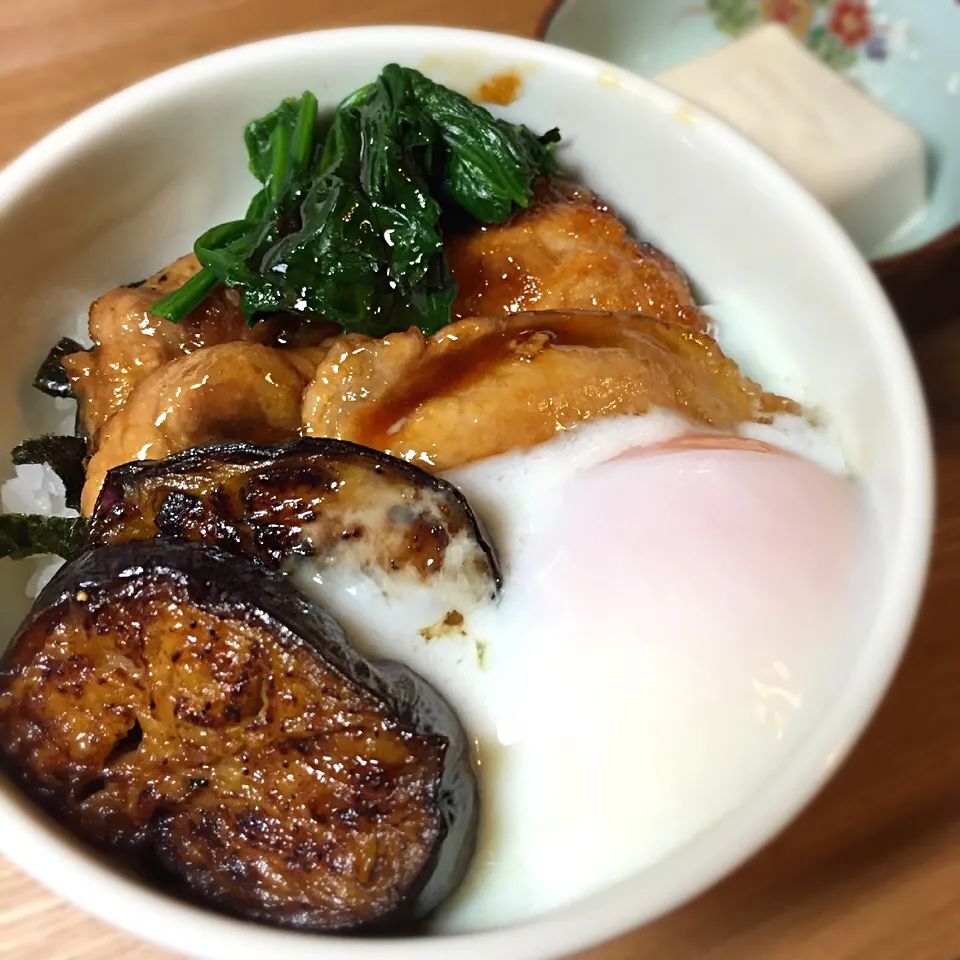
[872, 870]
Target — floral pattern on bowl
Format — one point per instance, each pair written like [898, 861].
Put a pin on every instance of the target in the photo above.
[837, 31]
[903, 53]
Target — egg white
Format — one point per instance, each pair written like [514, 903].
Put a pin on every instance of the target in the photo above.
[660, 644]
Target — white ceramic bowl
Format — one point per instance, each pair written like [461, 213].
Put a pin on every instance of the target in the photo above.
[127, 186]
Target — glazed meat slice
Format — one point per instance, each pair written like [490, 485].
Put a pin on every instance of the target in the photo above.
[130, 343]
[484, 386]
[568, 251]
[172, 698]
[233, 391]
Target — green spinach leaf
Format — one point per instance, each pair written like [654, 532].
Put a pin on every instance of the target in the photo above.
[347, 226]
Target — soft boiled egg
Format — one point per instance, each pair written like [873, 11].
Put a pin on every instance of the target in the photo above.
[670, 607]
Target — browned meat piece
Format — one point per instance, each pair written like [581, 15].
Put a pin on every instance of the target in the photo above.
[568, 251]
[483, 386]
[233, 391]
[130, 343]
[168, 697]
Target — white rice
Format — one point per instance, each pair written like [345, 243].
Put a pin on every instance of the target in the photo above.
[37, 489]
[68, 411]
[44, 569]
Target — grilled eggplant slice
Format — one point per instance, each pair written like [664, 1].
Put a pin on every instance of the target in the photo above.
[338, 502]
[183, 704]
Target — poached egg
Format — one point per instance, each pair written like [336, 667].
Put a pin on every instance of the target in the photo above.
[672, 601]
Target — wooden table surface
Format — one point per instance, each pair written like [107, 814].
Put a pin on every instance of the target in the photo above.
[872, 870]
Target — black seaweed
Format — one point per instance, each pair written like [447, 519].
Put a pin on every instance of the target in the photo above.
[51, 378]
[64, 455]
[29, 535]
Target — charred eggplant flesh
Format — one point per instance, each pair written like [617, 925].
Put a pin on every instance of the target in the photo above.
[174, 701]
[338, 502]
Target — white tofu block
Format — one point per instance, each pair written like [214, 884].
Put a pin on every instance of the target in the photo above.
[865, 164]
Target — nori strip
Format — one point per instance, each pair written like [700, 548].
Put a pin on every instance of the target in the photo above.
[27, 534]
[51, 378]
[64, 455]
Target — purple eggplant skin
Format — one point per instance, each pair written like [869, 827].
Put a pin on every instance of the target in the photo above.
[330, 499]
[179, 703]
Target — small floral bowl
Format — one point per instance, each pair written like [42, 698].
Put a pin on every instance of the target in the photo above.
[904, 53]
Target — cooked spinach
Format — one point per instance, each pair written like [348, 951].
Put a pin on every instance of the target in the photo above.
[51, 378]
[347, 226]
[64, 455]
[27, 535]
